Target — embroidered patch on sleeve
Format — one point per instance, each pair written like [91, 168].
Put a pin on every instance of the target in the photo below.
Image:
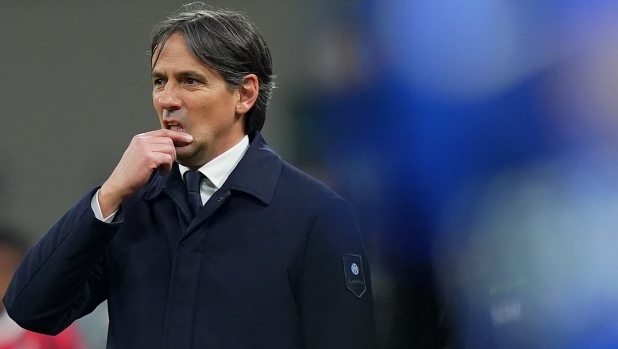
[353, 272]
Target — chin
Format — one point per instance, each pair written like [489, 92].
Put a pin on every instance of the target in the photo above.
[183, 154]
[186, 156]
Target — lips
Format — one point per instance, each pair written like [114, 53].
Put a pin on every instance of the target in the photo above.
[173, 125]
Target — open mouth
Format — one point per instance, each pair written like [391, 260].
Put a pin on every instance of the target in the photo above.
[174, 126]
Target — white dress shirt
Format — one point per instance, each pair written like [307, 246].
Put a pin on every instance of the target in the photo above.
[215, 174]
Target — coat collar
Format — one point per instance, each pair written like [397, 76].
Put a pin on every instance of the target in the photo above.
[256, 174]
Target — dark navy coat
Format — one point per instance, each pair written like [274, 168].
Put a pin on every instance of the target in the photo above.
[273, 260]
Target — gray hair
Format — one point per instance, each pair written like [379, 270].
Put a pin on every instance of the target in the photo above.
[227, 42]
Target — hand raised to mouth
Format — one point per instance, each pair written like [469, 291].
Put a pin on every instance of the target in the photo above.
[175, 126]
[146, 152]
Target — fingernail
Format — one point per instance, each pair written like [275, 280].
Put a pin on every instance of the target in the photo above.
[188, 137]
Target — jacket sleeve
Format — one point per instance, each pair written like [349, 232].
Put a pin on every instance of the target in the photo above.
[62, 277]
[335, 297]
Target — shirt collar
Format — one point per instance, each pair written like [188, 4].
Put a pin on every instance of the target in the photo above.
[218, 169]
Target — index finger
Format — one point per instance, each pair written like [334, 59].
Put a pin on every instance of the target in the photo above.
[179, 138]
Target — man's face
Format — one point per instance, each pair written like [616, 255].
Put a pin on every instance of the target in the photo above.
[190, 97]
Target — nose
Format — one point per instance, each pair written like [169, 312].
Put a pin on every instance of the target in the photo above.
[168, 99]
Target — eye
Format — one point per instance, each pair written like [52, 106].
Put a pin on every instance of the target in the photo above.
[191, 81]
[157, 82]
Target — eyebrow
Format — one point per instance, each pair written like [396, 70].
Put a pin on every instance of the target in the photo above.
[179, 75]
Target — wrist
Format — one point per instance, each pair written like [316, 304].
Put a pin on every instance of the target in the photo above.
[109, 199]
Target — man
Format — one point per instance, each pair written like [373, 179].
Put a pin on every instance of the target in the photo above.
[12, 250]
[271, 259]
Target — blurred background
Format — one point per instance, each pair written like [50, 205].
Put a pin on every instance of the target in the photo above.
[477, 142]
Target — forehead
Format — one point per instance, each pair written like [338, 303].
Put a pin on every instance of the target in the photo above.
[174, 52]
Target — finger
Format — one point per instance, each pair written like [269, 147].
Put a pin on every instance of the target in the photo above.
[179, 138]
[158, 143]
[167, 148]
[163, 162]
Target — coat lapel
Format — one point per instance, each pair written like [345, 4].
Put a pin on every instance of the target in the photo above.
[256, 174]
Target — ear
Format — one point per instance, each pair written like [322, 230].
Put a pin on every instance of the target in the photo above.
[248, 93]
